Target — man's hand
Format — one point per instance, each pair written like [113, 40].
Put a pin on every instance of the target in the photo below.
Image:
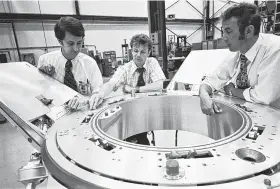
[96, 100]
[228, 88]
[77, 103]
[73, 103]
[127, 89]
[48, 69]
[208, 106]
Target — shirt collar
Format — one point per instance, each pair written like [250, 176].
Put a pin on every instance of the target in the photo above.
[65, 60]
[134, 67]
[252, 52]
[62, 57]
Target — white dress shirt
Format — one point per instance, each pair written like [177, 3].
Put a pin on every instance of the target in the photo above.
[85, 69]
[263, 71]
[127, 75]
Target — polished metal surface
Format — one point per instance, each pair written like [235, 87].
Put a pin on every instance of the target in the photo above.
[172, 113]
[126, 158]
[21, 83]
[85, 149]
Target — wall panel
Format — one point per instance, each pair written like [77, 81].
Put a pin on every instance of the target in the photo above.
[132, 8]
[49, 33]
[24, 6]
[6, 35]
[29, 34]
[58, 6]
[184, 10]
[2, 8]
[110, 37]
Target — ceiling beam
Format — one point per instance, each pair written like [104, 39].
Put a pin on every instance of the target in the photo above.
[19, 17]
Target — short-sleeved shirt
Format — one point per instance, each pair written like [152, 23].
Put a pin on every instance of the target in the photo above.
[127, 74]
[85, 70]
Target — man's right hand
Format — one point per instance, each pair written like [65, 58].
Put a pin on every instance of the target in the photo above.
[208, 106]
[96, 100]
[48, 69]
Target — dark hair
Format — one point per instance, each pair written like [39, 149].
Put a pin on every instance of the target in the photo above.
[246, 14]
[141, 39]
[70, 24]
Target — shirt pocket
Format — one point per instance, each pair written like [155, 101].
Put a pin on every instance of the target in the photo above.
[84, 87]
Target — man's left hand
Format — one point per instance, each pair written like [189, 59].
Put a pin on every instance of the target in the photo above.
[128, 89]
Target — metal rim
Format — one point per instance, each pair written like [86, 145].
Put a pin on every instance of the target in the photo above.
[236, 135]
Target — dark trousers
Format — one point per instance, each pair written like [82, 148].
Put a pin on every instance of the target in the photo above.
[139, 138]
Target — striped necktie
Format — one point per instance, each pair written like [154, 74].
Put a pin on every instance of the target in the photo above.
[242, 78]
[69, 79]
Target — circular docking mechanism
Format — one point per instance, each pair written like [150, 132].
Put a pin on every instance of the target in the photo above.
[165, 141]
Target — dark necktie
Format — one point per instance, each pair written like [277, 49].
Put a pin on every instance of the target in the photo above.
[140, 81]
[242, 78]
[69, 79]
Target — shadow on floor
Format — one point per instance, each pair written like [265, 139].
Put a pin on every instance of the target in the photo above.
[15, 152]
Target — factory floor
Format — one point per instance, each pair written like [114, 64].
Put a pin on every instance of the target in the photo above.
[14, 153]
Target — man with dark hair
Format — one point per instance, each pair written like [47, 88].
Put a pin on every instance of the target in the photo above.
[68, 65]
[142, 74]
[253, 72]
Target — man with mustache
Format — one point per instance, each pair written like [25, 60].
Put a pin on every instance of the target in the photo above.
[68, 65]
[253, 72]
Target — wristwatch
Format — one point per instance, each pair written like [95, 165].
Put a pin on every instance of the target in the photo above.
[137, 89]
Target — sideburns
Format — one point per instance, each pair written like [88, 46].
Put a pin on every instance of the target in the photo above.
[241, 37]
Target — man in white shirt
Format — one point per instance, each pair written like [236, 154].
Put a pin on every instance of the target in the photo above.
[142, 74]
[68, 65]
[253, 73]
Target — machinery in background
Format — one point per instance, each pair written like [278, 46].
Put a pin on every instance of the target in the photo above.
[85, 51]
[88, 52]
[5, 57]
[277, 18]
[109, 63]
[95, 55]
[91, 53]
[182, 51]
[98, 59]
[28, 57]
[269, 11]
[181, 46]
[210, 44]
[125, 52]
[177, 52]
